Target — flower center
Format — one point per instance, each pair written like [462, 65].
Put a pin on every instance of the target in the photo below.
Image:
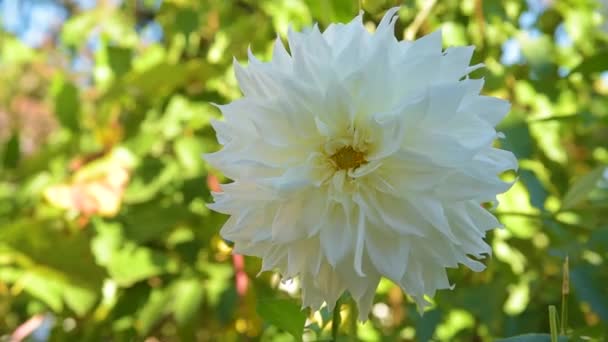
[348, 158]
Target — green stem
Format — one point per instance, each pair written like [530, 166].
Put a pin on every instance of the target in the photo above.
[564, 319]
[565, 293]
[553, 322]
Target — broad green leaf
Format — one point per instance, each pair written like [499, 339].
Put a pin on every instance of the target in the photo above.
[148, 221]
[157, 80]
[77, 28]
[582, 187]
[189, 152]
[284, 314]
[108, 240]
[58, 267]
[153, 310]
[150, 178]
[54, 290]
[426, 325]
[151, 84]
[79, 299]
[518, 140]
[9, 275]
[595, 63]
[181, 114]
[331, 11]
[589, 283]
[44, 245]
[186, 21]
[218, 282]
[11, 153]
[67, 104]
[45, 286]
[187, 298]
[15, 52]
[227, 304]
[133, 263]
[119, 60]
[537, 192]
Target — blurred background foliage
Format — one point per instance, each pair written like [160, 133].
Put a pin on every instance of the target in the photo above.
[104, 116]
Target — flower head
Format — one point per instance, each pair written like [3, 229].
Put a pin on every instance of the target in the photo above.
[357, 156]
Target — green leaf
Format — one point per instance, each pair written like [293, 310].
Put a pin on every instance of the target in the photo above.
[153, 310]
[595, 63]
[67, 103]
[159, 79]
[426, 325]
[182, 113]
[284, 314]
[79, 299]
[227, 304]
[12, 152]
[127, 262]
[58, 267]
[218, 282]
[151, 177]
[189, 151]
[538, 194]
[186, 21]
[119, 59]
[148, 221]
[589, 283]
[107, 241]
[76, 30]
[44, 245]
[582, 187]
[331, 11]
[531, 338]
[54, 290]
[15, 52]
[518, 140]
[187, 298]
[45, 286]
[133, 263]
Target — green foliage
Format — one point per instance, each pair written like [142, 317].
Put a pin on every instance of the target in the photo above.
[11, 152]
[67, 103]
[531, 338]
[580, 189]
[283, 313]
[103, 221]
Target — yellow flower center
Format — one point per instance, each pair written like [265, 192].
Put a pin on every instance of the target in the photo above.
[348, 158]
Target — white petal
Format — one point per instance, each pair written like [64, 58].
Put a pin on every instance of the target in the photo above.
[444, 100]
[491, 109]
[336, 234]
[365, 301]
[455, 63]
[280, 56]
[389, 254]
[390, 128]
[359, 244]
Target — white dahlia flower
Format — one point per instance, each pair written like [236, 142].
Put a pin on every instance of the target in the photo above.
[355, 156]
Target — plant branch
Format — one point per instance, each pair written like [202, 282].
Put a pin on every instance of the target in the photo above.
[541, 216]
[410, 31]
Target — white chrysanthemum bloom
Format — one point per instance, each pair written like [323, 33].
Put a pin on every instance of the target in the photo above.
[356, 156]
